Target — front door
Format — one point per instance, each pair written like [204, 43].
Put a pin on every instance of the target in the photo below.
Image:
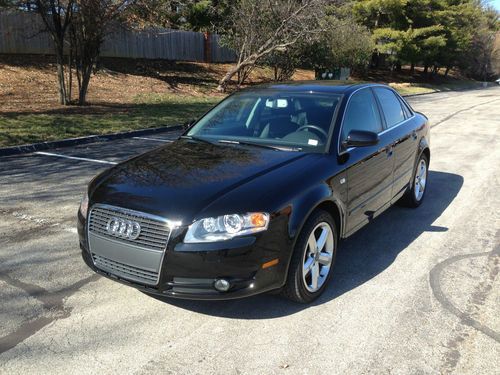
[370, 169]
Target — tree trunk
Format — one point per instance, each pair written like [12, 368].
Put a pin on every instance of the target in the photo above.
[227, 77]
[60, 75]
[70, 73]
[435, 70]
[447, 71]
[426, 68]
[82, 94]
[412, 68]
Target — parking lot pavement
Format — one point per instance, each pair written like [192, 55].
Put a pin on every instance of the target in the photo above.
[417, 291]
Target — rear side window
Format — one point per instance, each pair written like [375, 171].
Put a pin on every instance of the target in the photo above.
[406, 109]
[391, 106]
[361, 114]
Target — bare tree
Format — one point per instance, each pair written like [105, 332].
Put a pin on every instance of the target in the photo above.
[480, 58]
[483, 46]
[256, 29]
[57, 16]
[284, 64]
[92, 21]
[496, 55]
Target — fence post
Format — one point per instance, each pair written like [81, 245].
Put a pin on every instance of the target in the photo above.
[207, 47]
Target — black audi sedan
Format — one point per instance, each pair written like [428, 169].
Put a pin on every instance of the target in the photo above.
[256, 194]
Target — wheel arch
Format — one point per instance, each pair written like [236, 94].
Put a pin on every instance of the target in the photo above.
[321, 198]
[424, 148]
[332, 208]
[427, 152]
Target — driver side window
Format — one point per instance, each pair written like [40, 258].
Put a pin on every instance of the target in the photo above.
[361, 114]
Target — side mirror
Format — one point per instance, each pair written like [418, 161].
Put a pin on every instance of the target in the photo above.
[360, 138]
[188, 124]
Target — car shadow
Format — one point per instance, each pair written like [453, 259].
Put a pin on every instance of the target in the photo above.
[360, 258]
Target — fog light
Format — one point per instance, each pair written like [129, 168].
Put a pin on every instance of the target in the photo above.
[222, 285]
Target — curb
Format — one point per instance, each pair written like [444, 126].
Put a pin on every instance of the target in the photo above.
[24, 149]
[420, 94]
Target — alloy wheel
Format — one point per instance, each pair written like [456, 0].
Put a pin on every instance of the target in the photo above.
[318, 257]
[420, 179]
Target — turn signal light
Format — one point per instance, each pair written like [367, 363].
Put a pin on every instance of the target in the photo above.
[258, 219]
[270, 263]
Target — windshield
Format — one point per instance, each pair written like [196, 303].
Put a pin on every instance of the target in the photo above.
[301, 121]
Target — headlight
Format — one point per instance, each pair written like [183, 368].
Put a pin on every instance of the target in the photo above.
[84, 205]
[226, 227]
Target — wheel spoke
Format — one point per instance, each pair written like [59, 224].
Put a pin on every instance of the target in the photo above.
[325, 259]
[308, 265]
[422, 173]
[315, 276]
[312, 243]
[322, 239]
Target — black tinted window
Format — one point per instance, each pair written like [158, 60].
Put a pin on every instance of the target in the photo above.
[391, 106]
[361, 114]
[300, 120]
[406, 109]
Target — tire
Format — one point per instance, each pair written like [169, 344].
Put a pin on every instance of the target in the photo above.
[303, 289]
[415, 194]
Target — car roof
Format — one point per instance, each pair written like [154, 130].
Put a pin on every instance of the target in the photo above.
[336, 87]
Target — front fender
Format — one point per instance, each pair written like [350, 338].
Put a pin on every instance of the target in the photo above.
[305, 204]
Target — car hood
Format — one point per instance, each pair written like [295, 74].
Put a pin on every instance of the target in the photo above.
[178, 180]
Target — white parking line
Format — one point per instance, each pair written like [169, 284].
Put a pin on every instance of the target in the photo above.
[75, 158]
[155, 139]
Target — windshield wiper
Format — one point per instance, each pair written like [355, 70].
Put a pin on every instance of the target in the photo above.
[245, 143]
[195, 138]
[272, 147]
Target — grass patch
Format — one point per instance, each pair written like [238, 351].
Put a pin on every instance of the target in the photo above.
[172, 93]
[426, 88]
[148, 111]
[405, 89]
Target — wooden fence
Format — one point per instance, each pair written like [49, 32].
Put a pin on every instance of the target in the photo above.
[22, 33]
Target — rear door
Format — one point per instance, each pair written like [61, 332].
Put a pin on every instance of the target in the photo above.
[369, 171]
[400, 128]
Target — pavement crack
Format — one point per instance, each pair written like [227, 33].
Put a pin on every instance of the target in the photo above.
[460, 111]
[465, 318]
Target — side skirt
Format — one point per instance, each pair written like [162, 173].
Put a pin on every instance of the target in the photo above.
[378, 212]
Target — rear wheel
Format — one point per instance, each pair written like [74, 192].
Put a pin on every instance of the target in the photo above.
[313, 259]
[416, 192]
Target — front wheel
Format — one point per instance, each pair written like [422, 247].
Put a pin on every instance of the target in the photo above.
[313, 259]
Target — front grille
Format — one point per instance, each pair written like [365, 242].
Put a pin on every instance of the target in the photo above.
[124, 270]
[154, 234]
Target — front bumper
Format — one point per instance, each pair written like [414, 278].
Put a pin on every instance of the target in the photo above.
[190, 271]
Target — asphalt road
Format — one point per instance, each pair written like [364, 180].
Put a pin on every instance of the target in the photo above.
[416, 291]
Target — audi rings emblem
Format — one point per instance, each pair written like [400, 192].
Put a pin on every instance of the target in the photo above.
[122, 228]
